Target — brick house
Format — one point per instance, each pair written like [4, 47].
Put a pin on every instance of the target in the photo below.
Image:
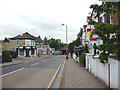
[24, 44]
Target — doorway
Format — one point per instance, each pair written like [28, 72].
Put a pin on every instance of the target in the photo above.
[27, 53]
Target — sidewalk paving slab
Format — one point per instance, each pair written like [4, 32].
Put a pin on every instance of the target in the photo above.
[78, 77]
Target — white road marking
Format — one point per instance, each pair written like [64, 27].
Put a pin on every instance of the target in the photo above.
[12, 72]
[34, 64]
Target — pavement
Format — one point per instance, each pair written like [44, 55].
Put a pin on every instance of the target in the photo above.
[76, 76]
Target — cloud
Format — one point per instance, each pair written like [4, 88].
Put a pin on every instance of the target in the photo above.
[43, 17]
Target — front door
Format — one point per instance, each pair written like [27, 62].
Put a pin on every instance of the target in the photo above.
[27, 53]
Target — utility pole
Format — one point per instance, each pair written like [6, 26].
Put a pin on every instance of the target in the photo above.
[66, 31]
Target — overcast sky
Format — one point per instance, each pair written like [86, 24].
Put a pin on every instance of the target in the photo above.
[43, 17]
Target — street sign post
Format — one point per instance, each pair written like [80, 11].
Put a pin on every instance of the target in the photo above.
[77, 49]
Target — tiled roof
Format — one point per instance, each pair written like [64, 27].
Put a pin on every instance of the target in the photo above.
[29, 36]
[24, 36]
[39, 40]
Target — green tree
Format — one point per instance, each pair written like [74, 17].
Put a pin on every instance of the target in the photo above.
[72, 44]
[53, 43]
[45, 39]
[103, 30]
[6, 40]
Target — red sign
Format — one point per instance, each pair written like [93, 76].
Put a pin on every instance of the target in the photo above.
[76, 47]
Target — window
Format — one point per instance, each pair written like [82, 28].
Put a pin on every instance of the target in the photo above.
[21, 51]
[111, 19]
[101, 20]
[107, 18]
[95, 49]
[27, 43]
[13, 49]
[32, 52]
[16, 42]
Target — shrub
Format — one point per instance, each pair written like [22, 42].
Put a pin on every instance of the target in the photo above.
[102, 57]
[6, 56]
[82, 58]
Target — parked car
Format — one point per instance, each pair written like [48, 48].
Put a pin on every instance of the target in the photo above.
[14, 54]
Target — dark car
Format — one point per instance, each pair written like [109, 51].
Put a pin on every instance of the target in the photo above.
[14, 54]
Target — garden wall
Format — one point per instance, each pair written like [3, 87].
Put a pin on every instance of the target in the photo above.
[107, 72]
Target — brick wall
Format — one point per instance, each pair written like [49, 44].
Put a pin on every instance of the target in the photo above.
[12, 44]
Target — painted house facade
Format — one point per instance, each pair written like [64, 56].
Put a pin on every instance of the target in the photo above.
[108, 72]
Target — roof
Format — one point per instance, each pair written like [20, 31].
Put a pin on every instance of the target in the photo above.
[39, 40]
[29, 36]
[24, 36]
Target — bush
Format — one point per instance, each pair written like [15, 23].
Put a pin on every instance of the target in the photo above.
[102, 57]
[82, 58]
[6, 56]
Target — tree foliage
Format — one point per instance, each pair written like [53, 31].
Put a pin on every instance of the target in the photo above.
[104, 30]
[72, 44]
[6, 40]
[53, 43]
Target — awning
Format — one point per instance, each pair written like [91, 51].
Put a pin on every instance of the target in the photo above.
[28, 47]
[20, 47]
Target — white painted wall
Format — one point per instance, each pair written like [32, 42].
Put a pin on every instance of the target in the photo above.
[74, 57]
[113, 72]
[100, 70]
[119, 75]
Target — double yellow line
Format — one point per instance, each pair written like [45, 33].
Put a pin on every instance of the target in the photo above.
[54, 76]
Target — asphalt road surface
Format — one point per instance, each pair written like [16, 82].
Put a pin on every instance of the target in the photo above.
[32, 74]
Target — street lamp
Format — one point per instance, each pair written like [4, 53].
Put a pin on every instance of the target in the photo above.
[66, 31]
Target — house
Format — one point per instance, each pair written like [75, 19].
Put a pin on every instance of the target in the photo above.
[79, 35]
[83, 38]
[27, 45]
[0, 47]
[42, 47]
[107, 71]
[24, 44]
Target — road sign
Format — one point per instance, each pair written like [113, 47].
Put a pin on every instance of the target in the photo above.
[47, 49]
[77, 49]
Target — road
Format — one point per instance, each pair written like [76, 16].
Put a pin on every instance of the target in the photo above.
[32, 74]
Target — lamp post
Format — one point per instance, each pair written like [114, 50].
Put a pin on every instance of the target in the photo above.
[66, 31]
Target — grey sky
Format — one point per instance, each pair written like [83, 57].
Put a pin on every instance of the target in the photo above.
[43, 17]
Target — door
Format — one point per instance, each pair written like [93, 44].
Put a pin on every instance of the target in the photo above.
[27, 53]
